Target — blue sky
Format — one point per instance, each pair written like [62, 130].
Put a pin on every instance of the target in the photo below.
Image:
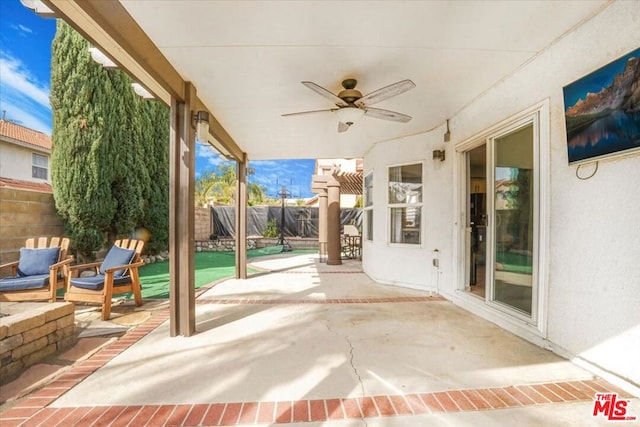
[25, 63]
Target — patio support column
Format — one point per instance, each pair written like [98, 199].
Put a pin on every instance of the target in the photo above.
[322, 224]
[181, 217]
[333, 223]
[241, 217]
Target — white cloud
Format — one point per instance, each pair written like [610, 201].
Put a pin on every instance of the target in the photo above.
[23, 30]
[16, 78]
[24, 98]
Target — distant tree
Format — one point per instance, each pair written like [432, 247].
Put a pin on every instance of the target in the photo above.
[102, 157]
[156, 214]
[219, 186]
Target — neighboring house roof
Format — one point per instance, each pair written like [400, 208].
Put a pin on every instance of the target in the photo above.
[15, 133]
[25, 185]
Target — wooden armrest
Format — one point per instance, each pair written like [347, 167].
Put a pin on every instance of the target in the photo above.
[9, 265]
[124, 267]
[61, 263]
[13, 266]
[82, 266]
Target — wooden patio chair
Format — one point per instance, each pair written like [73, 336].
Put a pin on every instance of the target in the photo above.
[40, 271]
[116, 274]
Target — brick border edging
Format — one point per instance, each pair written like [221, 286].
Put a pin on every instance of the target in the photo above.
[312, 410]
[34, 410]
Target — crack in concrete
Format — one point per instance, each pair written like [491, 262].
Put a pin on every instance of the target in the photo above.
[355, 370]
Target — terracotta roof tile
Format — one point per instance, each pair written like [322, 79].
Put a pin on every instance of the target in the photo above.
[25, 185]
[23, 134]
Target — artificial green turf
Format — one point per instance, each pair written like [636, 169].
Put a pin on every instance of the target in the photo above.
[209, 267]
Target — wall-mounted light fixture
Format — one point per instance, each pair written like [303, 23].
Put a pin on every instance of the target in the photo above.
[201, 124]
[438, 154]
[142, 91]
[38, 7]
[101, 58]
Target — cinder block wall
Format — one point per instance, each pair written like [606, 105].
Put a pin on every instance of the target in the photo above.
[202, 223]
[25, 214]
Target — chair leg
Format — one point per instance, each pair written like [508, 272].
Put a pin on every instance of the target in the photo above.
[135, 284]
[106, 309]
[107, 294]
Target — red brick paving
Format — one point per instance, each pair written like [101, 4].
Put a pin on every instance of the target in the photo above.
[213, 415]
[196, 414]
[318, 412]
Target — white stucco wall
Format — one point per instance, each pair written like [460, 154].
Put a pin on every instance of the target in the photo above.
[593, 281]
[410, 265]
[15, 162]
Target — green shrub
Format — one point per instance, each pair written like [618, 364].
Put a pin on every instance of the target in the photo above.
[272, 229]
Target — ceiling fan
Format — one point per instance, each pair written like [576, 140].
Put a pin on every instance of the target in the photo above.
[352, 105]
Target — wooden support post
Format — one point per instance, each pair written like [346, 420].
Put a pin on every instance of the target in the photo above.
[241, 218]
[181, 217]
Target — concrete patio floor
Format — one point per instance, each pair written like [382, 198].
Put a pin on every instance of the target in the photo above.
[310, 344]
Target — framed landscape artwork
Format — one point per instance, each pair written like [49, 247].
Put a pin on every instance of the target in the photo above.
[602, 111]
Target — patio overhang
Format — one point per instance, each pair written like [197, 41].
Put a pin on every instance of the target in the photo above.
[242, 62]
[247, 60]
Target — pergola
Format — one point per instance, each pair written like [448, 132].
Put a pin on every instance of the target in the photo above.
[329, 187]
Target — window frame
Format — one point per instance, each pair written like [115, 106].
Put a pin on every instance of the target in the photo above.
[419, 205]
[367, 206]
[35, 166]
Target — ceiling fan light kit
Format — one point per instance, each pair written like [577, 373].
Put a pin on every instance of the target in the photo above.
[352, 105]
[350, 115]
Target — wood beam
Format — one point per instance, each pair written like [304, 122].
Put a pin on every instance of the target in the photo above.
[108, 26]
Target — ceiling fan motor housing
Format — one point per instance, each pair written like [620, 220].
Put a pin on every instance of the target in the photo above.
[349, 94]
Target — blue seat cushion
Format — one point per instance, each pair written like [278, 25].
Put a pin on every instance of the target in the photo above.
[34, 262]
[115, 257]
[96, 283]
[18, 283]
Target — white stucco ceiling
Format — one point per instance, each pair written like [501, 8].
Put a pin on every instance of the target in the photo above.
[247, 59]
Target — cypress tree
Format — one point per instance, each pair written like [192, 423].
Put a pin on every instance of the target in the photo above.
[102, 158]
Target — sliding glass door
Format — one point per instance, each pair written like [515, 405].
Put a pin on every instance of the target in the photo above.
[501, 238]
[514, 228]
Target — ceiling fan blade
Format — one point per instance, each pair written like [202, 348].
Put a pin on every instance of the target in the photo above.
[394, 116]
[385, 93]
[308, 112]
[324, 92]
[342, 127]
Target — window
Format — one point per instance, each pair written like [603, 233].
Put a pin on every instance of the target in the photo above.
[368, 206]
[40, 166]
[405, 203]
